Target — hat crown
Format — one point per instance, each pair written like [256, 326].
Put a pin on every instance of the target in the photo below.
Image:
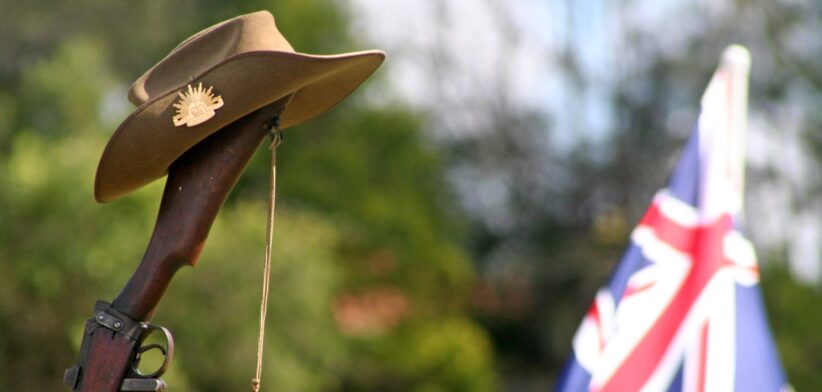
[207, 48]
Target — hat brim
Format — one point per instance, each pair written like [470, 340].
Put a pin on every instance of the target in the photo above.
[147, 142]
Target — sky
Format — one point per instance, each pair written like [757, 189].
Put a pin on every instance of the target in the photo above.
[469, 32]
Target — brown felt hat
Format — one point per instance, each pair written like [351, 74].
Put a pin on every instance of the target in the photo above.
[212, 79]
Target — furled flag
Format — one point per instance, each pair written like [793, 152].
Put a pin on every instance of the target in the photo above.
[683, 310]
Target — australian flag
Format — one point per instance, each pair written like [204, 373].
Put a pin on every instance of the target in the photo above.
[683, 310]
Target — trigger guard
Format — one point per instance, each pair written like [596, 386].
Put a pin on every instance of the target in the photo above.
[168, 351]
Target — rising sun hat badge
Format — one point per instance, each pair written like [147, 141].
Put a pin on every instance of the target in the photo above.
[196, 106]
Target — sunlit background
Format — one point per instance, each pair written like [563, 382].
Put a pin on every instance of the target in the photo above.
[446, 227]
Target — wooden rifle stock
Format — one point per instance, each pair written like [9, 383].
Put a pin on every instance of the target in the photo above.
[197, 185]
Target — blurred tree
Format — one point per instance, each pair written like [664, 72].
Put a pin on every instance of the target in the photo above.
[795, 316]
[369, 284]
[548, 221]
[373, 255]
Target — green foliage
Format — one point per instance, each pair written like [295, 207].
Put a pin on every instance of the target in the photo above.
[62, 94]
[795, 317]
[361, 219]
[223, 292]
[388, 186]
[371, 282]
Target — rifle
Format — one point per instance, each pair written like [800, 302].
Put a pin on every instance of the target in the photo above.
[197, 185]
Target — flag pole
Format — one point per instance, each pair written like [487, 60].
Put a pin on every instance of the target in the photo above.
[736, 61]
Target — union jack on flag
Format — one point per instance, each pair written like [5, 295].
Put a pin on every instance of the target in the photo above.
[683, 310]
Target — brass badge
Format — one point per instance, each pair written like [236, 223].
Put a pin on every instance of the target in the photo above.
[196, 106]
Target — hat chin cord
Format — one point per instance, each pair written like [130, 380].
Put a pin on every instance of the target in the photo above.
[273, 128]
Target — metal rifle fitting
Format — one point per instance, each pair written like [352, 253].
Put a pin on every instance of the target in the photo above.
[106, 316]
